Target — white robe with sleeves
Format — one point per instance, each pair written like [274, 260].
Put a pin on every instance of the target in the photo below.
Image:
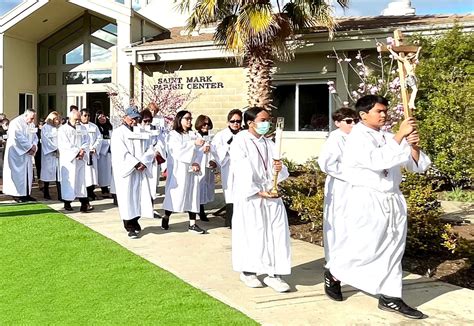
[335, 191]
[369, 258]
[131, 186]
[18, 165]
[206, 177]
[49, 153]
[72, 171]
[223, 160]
[182, 185]
[95, 142]
[260, 232]
[104, 163]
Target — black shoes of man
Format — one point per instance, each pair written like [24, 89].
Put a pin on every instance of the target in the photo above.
[332, 288]
[24, 199]
[397, 305]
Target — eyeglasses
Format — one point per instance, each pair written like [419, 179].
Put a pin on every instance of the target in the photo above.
[206, 124]
[235, 121]
[188, 118]
[350, 121]
[85, 115]
[146, 121]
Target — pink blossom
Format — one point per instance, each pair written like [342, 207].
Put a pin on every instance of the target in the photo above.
[390, 40]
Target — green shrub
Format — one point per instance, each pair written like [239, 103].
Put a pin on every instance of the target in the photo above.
[304, 192]
[444, 103]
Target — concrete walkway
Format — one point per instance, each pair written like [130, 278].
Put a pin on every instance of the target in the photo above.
[204, 261]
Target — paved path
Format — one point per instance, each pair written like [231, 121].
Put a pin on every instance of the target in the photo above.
[204, 262]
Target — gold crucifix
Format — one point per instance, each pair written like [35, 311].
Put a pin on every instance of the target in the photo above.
[407, 58]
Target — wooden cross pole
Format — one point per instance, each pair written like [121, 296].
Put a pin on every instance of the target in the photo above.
[406, 56]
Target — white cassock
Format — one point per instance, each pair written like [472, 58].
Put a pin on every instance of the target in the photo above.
[132, 187]
[95, 142]
[18, 165]
[182, 185]
[369, 258]
[335, 190]
[154, 145]
[223, 160]
[260, 232]
[206, 177]
[71, 170]
[104, 163]
[49, 153]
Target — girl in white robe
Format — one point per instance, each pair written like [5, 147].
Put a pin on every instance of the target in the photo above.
[260, 232]
[95, 142]
[369, 258]
[182, 182]
[207, 162]
[50, 154]
[329, 161]
[221, 142]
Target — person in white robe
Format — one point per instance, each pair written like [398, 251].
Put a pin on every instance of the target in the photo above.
[156, 147]
[260, 232]
[369, 258]
[20, 149]
[182, 183]
[329, 161]
[50, 154]
[95, 143]
[73, 146]
[221, 142]
[207, 184]
[104, 156]
[131, 173]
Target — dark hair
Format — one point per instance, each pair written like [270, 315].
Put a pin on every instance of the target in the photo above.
[367, 102]
[232, 112]
[146, 114]
[201, 120]
[343, 113]
[103, 128]
[73, 107]
[84, 111]
[177, 121]
[251, 114]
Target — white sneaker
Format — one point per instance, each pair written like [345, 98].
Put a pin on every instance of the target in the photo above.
[276, 283]
[251, 280]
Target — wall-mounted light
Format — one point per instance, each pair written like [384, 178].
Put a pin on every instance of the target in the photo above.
[149, 57]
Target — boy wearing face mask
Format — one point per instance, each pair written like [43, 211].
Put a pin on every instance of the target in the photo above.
[260, 234]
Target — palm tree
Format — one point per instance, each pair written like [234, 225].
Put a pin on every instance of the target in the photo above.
[260, 31]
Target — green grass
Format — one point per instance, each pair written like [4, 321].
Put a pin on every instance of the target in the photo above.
[54, 270]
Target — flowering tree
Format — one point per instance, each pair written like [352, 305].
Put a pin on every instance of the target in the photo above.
[168, 97]
[378, 77]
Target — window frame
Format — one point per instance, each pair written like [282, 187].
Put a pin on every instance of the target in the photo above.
[306, 133]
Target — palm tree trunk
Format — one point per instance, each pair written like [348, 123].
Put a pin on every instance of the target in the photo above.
[259, 72]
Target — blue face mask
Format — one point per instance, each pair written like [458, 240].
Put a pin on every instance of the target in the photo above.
[262, 127]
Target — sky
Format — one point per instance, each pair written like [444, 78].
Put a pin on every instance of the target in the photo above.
[356, 7]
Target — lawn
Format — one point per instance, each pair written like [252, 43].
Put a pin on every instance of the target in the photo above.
[56, 271]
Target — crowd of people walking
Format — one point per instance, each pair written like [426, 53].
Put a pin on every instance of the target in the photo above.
[365, 214]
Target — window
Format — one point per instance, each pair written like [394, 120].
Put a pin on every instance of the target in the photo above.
[99, 54]
[100, 76]
[73, 78]
[75, 56]
[26, 101]
[305, 106]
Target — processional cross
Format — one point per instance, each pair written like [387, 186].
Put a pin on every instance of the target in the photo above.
[407, 58]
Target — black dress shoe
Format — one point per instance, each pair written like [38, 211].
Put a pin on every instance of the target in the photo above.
[29, 198]
[86, 208]
[20, 199]
[68, 207]
[332, 288]
[397, 305]
[165, 223]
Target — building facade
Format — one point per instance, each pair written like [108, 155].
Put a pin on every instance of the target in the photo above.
[55, 53]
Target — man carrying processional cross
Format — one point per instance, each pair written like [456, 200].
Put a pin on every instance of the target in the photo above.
[369, 257]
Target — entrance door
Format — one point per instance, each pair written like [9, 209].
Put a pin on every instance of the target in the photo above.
[98, 102]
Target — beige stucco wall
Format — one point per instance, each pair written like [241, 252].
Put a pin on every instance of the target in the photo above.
[20, 73]
[217, 102]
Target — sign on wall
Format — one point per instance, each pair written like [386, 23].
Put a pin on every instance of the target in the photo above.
[193, 82]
